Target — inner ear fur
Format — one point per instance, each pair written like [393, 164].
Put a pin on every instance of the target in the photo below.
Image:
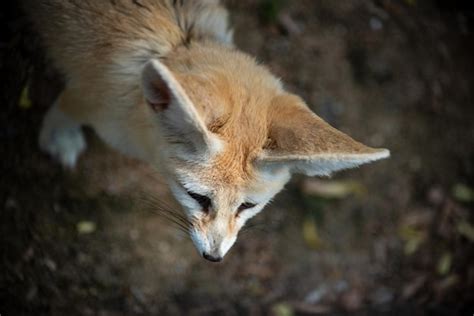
[175, 111]
[305, 143]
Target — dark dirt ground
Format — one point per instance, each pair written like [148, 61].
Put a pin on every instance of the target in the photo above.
[392, 238]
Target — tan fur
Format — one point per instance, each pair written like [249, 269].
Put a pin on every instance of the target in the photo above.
[160, 80]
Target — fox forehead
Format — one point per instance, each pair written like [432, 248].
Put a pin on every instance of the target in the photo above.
[228, 184]
[233, 168]
[231, 92]
[234, 101]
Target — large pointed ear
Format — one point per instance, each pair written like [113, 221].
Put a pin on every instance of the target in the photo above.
[178, 117]
[303, 143]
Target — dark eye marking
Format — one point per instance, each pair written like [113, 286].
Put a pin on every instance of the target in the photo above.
[245, 206]
[203, 200]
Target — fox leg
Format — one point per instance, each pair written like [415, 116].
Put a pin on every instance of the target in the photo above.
[61, 135]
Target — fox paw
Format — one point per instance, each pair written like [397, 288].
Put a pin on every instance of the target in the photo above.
[65, 144]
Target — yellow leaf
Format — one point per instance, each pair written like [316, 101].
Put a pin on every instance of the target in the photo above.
[463, 193]
[310, 234]
[85, 227]
[413, 238]
[444, 263]
[25, 102]
[282, 309]
[333, 189]
[466, 230]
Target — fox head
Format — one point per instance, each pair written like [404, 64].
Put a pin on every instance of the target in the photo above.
[233, 139]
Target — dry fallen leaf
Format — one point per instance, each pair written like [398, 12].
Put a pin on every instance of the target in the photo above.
[463, 193]
[310, 233]
[333, 189]
[412, 288]
[25, 102]
[466, 229]
[282, 309]
[446, 283]
[444, 263]
[85, 227]
[413, 238]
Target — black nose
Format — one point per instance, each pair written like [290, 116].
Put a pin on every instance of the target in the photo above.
[211, 258]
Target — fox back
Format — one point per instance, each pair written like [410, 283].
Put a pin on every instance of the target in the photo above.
[162, 81]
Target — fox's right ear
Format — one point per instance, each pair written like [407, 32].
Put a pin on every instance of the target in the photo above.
[301, 142]
[179, 119]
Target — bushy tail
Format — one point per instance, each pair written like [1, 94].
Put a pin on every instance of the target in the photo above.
[75, 31]
[204, 19]
[197, 19]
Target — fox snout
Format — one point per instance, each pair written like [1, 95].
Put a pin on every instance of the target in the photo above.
[216, 250]
[208, 247]
[213, 250]
[212, 257]
[214, 241]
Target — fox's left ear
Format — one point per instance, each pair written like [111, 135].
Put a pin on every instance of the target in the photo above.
[179, 118]
[303, 143]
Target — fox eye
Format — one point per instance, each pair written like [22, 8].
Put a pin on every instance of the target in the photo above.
[203, 200]
[245, 206]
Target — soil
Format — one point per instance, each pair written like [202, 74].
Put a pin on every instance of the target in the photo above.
[397, 240]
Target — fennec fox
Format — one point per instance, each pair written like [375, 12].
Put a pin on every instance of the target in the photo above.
[161, 81]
